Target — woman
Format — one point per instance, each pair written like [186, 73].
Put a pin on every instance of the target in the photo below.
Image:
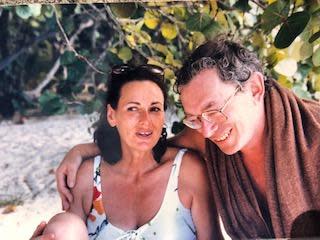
[148, 191]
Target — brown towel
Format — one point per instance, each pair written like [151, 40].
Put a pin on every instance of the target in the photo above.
[292, 174]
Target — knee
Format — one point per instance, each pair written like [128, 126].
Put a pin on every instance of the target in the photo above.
[67, 226]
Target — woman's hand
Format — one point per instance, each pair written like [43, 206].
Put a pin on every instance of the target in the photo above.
[37, 234]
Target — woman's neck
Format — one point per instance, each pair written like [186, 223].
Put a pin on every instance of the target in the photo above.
[135, 162]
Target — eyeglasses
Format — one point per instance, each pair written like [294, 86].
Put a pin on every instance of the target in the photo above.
[213, 116]
[149, 68]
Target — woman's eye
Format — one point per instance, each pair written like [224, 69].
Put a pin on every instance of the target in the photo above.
[132, 109]
[155, 109]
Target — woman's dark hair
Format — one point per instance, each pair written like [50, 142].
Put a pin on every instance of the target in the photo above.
[106, 137]
[233, 62]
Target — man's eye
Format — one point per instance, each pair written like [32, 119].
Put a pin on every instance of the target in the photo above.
[155, 109]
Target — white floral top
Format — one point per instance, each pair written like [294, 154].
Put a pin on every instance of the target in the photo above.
[172, 222]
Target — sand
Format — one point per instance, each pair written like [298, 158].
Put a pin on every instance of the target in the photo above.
[30, 153]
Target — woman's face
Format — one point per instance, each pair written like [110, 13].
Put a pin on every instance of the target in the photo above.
[139, 116]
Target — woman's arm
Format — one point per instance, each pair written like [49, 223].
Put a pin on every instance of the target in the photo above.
[203, 209]
[67, 170]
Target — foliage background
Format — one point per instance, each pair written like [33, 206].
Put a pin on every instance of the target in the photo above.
[54, 58]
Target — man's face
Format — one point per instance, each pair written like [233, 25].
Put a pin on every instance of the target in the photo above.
[206, 92]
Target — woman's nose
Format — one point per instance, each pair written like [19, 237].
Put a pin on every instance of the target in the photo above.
[144, 116]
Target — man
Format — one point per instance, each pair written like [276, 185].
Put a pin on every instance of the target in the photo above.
[261, 144]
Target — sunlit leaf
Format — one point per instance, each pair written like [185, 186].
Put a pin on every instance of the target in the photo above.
[293, 51]
[271, 1]
[171, 61]
[168, 31]
[274, 15]
[284, 81]
[316, 84]
[123, 10]
[198, 38]
[258, 39]
[287, 67]
[151, 19]
[222, 20]
[299, 3]
[23, 11]
[179, 12]
[131, 40]
[316, 57]
[306, 50]
[214, 7]
[160, 48]
[198, 22]
[169, 74]
[291, 28]
[35, 9]
[125, 54]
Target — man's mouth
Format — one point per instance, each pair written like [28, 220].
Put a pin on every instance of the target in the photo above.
[224, 136]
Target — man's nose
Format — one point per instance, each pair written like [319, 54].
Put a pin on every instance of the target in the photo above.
[207, 128]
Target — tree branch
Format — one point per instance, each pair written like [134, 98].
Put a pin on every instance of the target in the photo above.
[8, 60]
[70, 47]
[35, 93]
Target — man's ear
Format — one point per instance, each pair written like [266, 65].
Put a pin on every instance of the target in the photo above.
[111, 116]
[257, 86]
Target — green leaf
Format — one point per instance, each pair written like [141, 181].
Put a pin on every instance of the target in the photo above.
[123, 10]
[314, 37]
[23, 12]
[301, 91]
[177, 127]
[212, 30]
[316, 58]
[125, 54]
[291, 28]
[306, 50]
[198, 22]
[304, 69]
[90, 107]
[67, 58]
[274, 14]
[50, 104]
[243, 5]
[76, 71]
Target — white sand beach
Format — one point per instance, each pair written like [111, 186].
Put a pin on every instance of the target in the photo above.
[30, 154]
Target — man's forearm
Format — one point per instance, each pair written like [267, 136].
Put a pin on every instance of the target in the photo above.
[86, 150]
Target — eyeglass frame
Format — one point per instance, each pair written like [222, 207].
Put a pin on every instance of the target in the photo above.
[204, 116]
